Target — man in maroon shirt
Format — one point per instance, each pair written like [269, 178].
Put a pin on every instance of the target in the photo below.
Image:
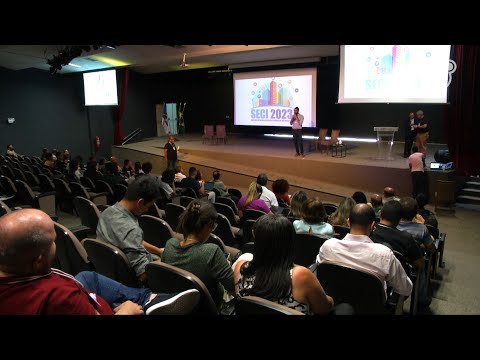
[29, 286]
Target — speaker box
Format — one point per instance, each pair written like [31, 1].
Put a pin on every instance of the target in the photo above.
[442, 156]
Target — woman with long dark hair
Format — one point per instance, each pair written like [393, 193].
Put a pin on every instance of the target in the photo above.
[272, 275]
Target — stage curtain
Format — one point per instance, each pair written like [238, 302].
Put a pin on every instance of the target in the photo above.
[463, 115]
[118, 134]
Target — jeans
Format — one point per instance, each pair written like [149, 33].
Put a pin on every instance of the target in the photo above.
[112, 291]
[171, 164]
[298, 141]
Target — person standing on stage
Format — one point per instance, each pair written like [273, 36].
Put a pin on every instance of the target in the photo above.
[296, 122]
[170, 152]
[409, 135]
[422, 133]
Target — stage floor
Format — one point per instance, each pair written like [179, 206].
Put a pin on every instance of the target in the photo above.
[247, 156]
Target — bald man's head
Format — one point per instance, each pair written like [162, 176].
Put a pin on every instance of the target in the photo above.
[27, 244]
[388, 192]
[362, 218]
[376, 200]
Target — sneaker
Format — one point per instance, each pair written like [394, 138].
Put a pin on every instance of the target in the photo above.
[303, 156]
[297, 154]
[173, 304]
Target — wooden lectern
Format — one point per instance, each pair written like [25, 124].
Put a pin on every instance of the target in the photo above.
[385, 136]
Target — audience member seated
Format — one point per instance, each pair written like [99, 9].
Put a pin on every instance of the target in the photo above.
[419, 231]
[112, 177]
[220, 186]
[44, 154]
[29, 286]
[54, 154]
[313, 220]
[101, 165]
[92, 173]
[252, 200]
[389, 194]
[127, 169]
[190, 182]
[138, 169]
[359, 197]
[386, 232]
[118, 224]
[341, 215]
[272, 275]
[199, 178]
[114, 160]
[66, 157]
[357, 251]
[49, 161]
[73, 174]
[267, 195]
[280, 188]
[296, 204]
[11, 151]
[427, 215]
[205, 260]
[376, 202]
[166, 182]
[179, 174]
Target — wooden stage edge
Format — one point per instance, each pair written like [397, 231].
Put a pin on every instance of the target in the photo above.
[243, 158]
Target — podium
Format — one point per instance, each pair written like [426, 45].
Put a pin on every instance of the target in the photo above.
[385, 136]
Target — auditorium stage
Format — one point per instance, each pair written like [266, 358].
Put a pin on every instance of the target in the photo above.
[319, 174]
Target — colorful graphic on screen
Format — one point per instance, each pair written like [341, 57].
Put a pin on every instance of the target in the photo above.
[270, 101]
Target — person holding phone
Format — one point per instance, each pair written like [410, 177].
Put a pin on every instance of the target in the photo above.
[296, 121]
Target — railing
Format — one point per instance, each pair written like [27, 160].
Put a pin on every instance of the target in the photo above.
[130, 136]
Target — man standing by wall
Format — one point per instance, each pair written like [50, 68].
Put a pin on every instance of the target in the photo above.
[296, 122]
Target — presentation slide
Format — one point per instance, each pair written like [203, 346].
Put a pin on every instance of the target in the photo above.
[394, 73]
[267, 98]
[100, 88]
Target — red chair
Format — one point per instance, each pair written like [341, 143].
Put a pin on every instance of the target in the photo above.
[208, 133]
[221, 133]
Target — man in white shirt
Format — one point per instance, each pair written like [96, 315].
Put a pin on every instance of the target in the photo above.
[267, 195]
[296, 121]
[358, 251]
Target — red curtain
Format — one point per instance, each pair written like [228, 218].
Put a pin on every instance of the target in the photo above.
[118, 134]
[463, 115]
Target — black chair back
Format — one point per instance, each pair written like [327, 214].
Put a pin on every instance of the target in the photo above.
[110, 261]
[306, 248]
[330, 208]
[341, 231]
[227, 201]
[70, 255]
[88, 212]
[251, 214]
[155, 231]
[189, 192]
[235, 192]
[172, 213]
[120, 190]
[226, 211]
[165, 278]
[224, 231]
[4, 209]
[186, 200]
[363, 290]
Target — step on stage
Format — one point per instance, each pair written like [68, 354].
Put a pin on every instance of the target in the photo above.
[319, 174]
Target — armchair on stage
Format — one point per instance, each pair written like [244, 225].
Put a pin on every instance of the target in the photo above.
[385, 135]
[209, 133]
